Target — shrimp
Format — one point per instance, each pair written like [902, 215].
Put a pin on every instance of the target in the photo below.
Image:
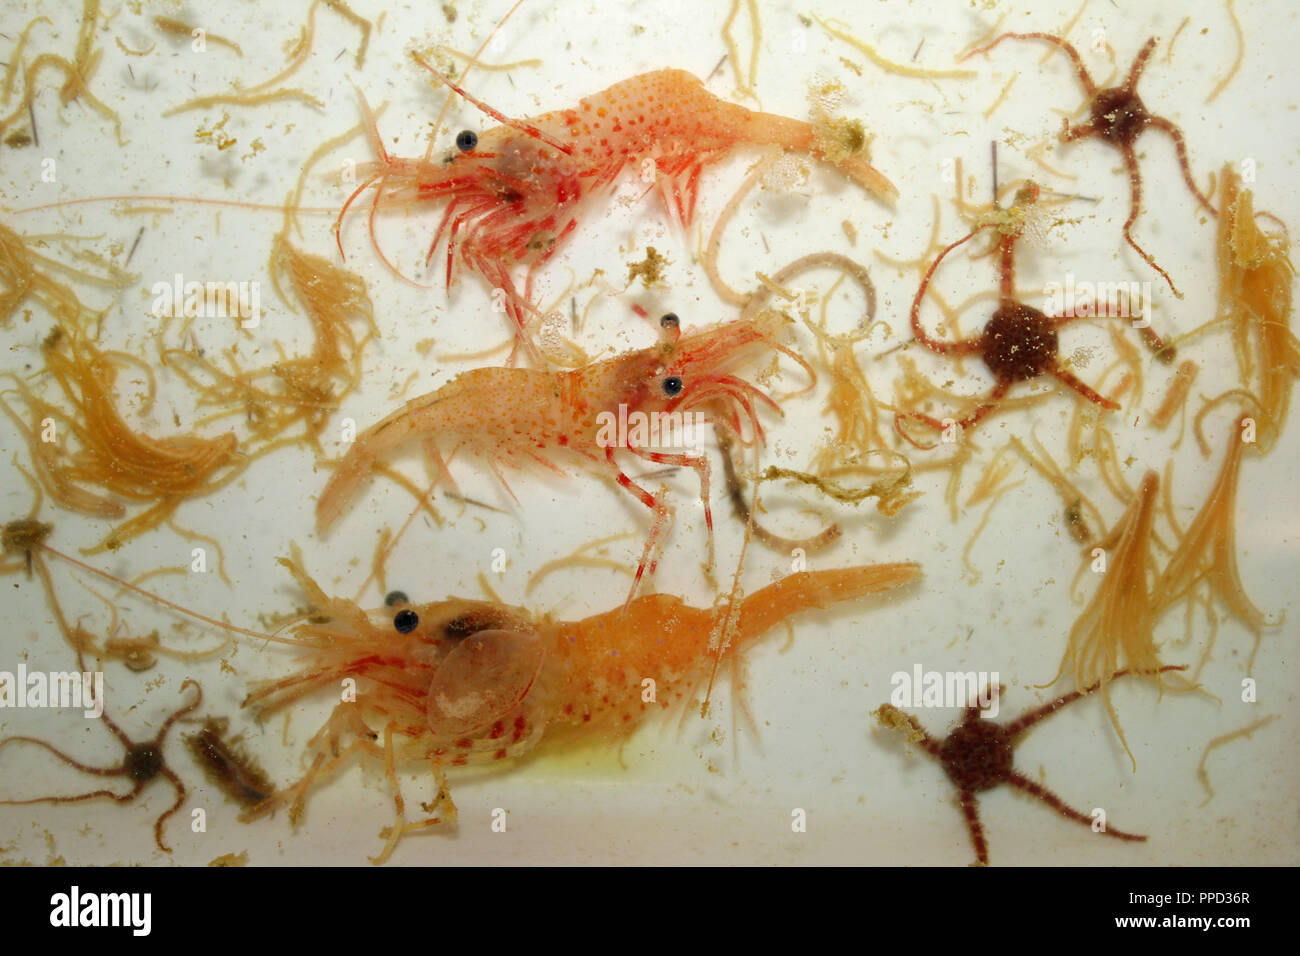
[514, 192]
[511, 416]
[464, 682]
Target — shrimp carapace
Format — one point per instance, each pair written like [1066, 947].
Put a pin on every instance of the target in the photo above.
[473, 682]
[514, 191]
[651, 402]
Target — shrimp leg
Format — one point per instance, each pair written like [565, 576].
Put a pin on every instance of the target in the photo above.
[700, 465]
[654, 541]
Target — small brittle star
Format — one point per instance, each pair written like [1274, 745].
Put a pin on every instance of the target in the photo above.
[978, 755]
[142, 762]
[1119, 117]
[1019, 343]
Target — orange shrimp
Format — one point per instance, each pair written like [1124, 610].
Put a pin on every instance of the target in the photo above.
[511, 416]
[461, 682]
[514, 191]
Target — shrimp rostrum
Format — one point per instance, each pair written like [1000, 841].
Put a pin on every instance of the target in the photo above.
[463, 682]
[516, 191]
[648, 402]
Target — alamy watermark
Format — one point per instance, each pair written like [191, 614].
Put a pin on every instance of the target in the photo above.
[202, 300]
[70, 689]
[130, 910]
[665, 432]
[1081, 299]
[922, 688]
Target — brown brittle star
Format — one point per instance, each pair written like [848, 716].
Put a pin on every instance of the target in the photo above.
[1019, 342]
[143, 761]
[978, 755]
[1119, 117]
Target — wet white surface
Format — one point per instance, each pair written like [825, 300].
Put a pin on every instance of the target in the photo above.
[693, 790]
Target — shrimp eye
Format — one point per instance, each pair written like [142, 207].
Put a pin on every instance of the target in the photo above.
[466, 140]
[670, 321]
[406, 620]
[396, 597]
[673, 386]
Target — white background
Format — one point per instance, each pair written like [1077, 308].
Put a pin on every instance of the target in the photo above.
[688, 794]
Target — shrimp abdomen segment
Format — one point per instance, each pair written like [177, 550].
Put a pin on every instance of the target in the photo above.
[492, 408]
[669, 114]
[797, 136]
[606, 657]
[766, 608]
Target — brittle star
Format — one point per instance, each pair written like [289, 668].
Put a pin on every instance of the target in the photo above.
[142, 762]
[978, 755]
[1019, 342]
[1119, 117]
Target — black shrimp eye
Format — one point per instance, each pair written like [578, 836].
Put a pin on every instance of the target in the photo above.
[406, 621]
[466, 140]
[670, 321]
[396, 597]
[673, 386]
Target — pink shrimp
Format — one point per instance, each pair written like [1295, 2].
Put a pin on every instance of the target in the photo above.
[511, 416]
[514, 191]
[461, 682]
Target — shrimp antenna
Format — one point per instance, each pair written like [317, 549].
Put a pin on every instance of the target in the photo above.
[497, 115]
[473, 61]
[194, 200]
[158, 599]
